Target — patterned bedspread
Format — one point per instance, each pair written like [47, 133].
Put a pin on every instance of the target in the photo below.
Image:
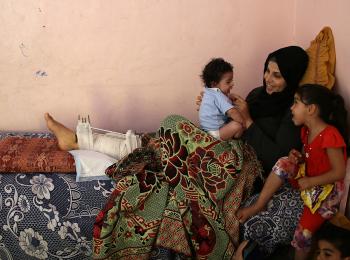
[48, 216]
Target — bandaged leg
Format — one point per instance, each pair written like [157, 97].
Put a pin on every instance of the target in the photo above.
[84, 134]
[116, 145]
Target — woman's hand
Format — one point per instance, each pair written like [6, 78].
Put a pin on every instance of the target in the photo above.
[243, 108]
[199, 99]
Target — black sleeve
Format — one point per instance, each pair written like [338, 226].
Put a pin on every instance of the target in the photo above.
[270, 150]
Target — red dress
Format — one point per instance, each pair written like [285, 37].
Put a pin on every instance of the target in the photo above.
[316, 158]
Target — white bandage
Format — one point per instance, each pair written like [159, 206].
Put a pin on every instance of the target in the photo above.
[84, 134]
[116, 145]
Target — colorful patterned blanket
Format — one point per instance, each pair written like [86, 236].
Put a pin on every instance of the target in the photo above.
[178, 195]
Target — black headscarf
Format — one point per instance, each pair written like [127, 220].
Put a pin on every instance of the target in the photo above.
[292, 62]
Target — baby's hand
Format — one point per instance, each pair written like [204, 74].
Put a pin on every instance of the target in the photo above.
[305, 183]
[234, 97]
[199, 99]
[295, 156]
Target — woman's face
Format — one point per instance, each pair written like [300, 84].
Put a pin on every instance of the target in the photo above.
[326, 251]
[273, 78]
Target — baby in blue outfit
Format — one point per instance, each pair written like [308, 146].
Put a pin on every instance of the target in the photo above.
[217, 114]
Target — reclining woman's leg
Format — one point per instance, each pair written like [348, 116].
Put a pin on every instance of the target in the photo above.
[66, 137]
[114, 144]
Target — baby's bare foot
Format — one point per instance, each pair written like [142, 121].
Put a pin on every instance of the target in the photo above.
[65, 137]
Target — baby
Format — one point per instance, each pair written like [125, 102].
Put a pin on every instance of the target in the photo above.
[217, 114]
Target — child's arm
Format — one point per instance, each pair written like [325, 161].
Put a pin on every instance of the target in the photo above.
[235, 115]
[337, 172]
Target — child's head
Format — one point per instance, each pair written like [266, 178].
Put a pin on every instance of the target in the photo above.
[332, 242]
[330, 106]
[218, 74]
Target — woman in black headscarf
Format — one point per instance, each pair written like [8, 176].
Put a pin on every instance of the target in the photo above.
[272, 134]
[270, 129]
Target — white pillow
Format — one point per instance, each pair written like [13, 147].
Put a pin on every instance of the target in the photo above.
[91, 165]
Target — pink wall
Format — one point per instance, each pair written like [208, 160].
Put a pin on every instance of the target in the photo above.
[127, 63]
[311, 17]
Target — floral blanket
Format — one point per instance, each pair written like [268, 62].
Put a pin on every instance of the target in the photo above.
[176, 196]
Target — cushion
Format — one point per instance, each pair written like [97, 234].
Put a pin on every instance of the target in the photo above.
[23, 154]
[321, 65]
[341, 221]
[91, 165]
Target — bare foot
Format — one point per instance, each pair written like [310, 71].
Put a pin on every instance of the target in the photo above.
[65, 137]
[244, 213]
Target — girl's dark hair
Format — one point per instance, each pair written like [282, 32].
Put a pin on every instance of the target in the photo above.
[331, 106]
[338, 237]
[214, 71]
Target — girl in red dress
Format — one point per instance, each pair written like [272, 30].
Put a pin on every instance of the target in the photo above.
[324, 135]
